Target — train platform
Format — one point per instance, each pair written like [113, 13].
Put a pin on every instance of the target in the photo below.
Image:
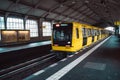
[24, 46]
[101, 62]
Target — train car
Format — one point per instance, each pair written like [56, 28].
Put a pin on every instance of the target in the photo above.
[71, 37]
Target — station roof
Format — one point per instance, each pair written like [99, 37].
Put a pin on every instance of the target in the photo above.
[93, 12]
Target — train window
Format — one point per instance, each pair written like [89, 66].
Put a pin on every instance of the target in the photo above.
[62, 34]
[100, 32]
[95, 32]
[92, 32]
[89, 32]
[103, 32]
[77, 33]
[84, 32]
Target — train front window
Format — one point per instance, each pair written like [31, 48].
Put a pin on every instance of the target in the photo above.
[62, 36]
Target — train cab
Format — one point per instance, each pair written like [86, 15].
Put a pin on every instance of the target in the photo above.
[66, 38]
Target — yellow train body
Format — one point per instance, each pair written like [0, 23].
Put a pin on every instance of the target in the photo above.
[82, 35]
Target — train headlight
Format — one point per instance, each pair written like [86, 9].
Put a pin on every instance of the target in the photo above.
[69, 42]
[57, 25]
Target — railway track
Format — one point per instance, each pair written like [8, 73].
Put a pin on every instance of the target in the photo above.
[24, 69]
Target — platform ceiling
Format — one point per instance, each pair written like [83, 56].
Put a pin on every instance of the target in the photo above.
[94, 12]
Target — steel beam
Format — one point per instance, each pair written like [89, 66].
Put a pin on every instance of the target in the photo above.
[12, 4]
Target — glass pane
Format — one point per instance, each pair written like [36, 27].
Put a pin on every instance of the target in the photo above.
[47, 29]
[2, 26]
[33, 27]
[14, 23]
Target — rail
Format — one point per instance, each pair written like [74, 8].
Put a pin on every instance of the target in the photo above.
[24, 66]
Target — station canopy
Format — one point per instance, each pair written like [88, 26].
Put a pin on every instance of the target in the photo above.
[93, 12]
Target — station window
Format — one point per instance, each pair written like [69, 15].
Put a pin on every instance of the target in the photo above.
[2, 26]
[47, 28]
[0, 35]
[32, 25]
[14, 23]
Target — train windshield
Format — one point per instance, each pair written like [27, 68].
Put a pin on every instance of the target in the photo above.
[62, 35]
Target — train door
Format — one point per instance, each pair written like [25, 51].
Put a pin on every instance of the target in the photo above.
[89, 36]
[97, 33]
[93, 35]
[84, 32]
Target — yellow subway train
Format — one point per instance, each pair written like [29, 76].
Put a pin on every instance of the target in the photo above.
[71, 37]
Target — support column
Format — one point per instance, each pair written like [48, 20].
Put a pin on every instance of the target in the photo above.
[40, 28]
[24, 22]
[5, 19]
